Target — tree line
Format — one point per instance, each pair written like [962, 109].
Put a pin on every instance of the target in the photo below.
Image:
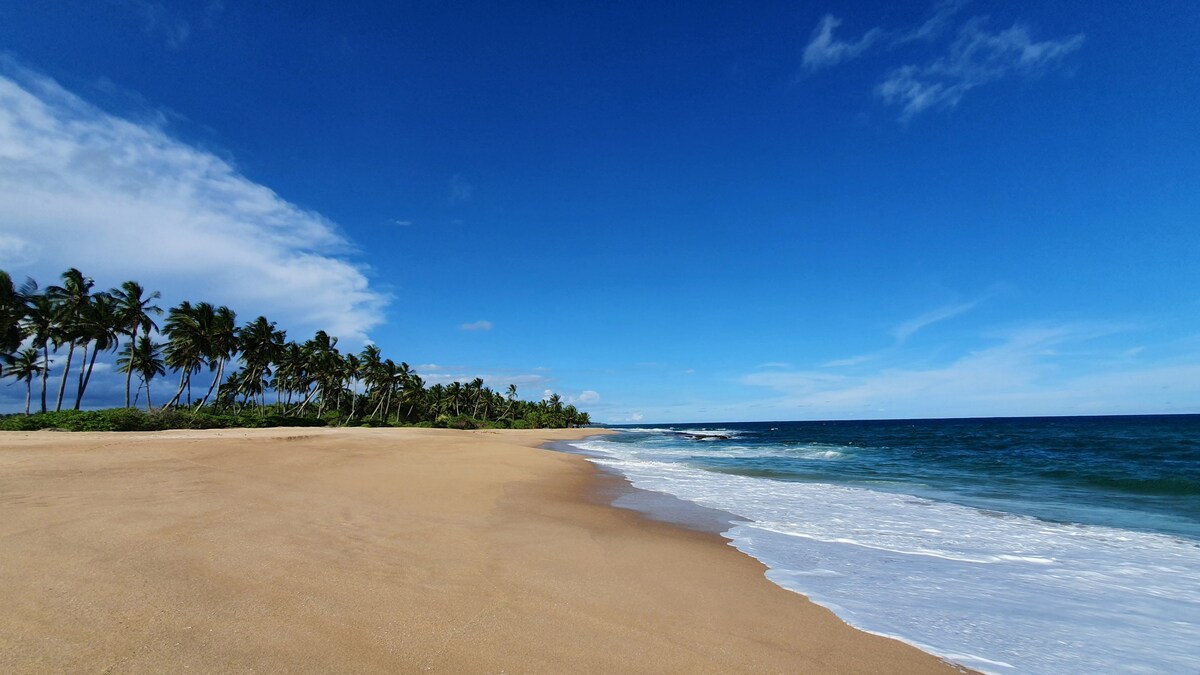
[255, 368]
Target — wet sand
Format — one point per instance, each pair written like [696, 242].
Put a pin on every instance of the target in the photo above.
[375, 550]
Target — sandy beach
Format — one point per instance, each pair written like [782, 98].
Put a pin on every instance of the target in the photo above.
[375, 550]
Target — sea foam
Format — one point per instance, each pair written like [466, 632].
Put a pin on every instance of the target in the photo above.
[993, 591]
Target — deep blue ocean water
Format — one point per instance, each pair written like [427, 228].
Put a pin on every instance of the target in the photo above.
[1055, 545]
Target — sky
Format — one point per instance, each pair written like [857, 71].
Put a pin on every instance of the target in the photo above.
[664, 212]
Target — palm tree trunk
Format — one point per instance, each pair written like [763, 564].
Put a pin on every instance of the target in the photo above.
[28, 394]
[178, 392]
[216, 378]
[306, 401]
[129, 373]
[79, 378]
[147, 395]
[45, 370]
[62, 386]
[83, 385]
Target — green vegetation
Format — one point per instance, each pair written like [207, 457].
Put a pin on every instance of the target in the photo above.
[259, 377]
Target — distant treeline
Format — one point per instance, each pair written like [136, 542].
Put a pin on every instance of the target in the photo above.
[257, 371]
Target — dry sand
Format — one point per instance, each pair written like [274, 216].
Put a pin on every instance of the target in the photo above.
[390, 550]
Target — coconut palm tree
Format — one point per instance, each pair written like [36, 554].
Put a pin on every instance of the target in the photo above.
[261, 347]
[23, 368]
[187, 330]
[145, 359]
[135, 310]
[221, 340]
[456, 393]
[413, 394]
[510, 395]
[97, 327]
[12, 313]
[40, 325]
[70, 301]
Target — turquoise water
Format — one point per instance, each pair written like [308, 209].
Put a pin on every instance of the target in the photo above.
[1054, 545]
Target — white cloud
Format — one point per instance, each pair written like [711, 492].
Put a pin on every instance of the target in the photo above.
[973, 58]
[851, 360]
[825, 50]
[119, 200]
[635, 417]
[1021, 375]
[774, 364]
[934, 26]
[482, 324]
[587, 396]
[547, 394]
[977, 57]
[910, 327]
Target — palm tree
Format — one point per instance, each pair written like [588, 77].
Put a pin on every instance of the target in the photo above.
[70, 301]
[323, 364]
[23, 369]
[97, 325]
[262, 345]
[145, 359]
[414, 392]
[134, 310]
[475, 390]
[291, 372]
[370, 367]
[40, 325]
[221, 339]
[12, 314]
[187, 329]
[510, 395]
[455, 392]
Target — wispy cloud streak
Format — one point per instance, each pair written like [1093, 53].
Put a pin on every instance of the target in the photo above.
[825, 50]
[974, 57]
[1022, 373]
[909, 328]
[977, 57]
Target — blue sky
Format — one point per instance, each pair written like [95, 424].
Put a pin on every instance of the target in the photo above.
[665, 212]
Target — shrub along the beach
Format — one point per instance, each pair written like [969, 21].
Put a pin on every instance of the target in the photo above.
[260, 377]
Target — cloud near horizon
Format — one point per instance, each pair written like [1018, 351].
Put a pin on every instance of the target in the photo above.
[120, 199]
[1023, 373]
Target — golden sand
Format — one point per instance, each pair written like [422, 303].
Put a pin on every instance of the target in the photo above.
[375, 550]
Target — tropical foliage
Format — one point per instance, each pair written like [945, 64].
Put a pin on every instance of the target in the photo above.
[259, 377]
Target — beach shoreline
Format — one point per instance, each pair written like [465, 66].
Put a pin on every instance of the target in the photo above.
[306, 550]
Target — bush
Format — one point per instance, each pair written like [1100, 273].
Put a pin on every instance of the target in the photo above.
[129, 419]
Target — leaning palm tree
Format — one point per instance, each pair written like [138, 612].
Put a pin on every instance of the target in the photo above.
[23, 368]
[97, 327]
[413, 394]
[510, 395]
[70, 301]
[187, 329]
[145, 359]
[261, 347]
[134, 310]
[222, 344]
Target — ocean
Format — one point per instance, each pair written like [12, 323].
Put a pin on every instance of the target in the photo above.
[1030, 545]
